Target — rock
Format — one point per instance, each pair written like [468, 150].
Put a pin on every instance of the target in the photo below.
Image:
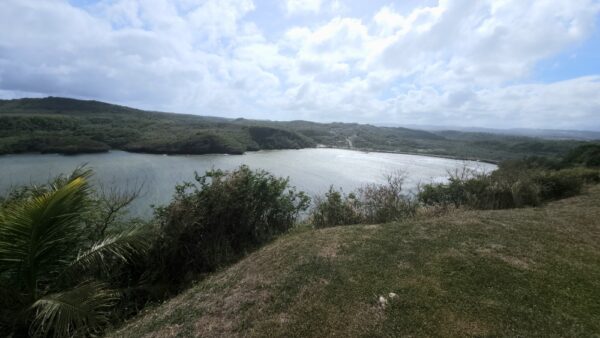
[392, 295]
[382, 301]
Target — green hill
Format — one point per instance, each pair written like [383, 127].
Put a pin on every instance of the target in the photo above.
[62, 125]
[518, 272]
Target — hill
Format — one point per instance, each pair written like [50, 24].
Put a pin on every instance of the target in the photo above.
[552, 134]
[518, 272]
[62, 125]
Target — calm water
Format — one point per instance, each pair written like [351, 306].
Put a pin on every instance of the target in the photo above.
[310, 170]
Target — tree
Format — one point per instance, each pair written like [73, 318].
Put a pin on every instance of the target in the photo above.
[51, 276]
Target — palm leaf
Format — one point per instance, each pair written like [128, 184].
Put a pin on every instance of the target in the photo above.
[81, 310]
[124, 247]
[39, 235]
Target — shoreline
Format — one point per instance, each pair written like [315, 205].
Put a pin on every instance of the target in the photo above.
[366, 150]
[449, 157]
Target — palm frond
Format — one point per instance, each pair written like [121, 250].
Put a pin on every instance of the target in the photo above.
[124, 247]
[38, 235]
[81, 310]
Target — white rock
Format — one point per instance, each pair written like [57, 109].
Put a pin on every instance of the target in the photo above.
[392, 295]
[382, 301]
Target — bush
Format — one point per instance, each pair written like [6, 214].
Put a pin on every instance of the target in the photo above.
[566, 182]
[530, 162]
[335, 209]
[219, 218]
[380, 203]
[587, 155]
[511, 186]
[373, 203]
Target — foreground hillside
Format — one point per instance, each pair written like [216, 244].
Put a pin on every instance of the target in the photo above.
[61, 125]
[519, 272]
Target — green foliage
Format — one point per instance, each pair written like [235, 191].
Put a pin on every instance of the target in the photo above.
[382, 203]
[74, 126]
[587, 155]
[273, 138]
[565, 182]
[516, 272]
[219, 218]
[335, 209]
[529, 162]
[482, 191]
[372, 203]
[48, 263]
[75, 312]
[528, 182]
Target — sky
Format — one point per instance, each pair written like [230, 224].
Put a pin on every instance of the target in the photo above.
[470, 63]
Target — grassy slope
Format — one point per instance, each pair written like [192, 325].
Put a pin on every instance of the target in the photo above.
[528, 272]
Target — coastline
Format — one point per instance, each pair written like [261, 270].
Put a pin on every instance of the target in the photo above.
[366, 150]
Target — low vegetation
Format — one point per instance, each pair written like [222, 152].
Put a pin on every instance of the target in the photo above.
[420, 264]
[60, 125]
[52, 273]
[218, 219]
[515, 184]
[373, 203]
[515, 272]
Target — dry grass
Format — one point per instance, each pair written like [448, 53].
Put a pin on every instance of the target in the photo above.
[521, 272]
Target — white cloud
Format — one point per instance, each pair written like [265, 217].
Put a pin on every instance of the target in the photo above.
[457, 61]
[301, 6]
[480, 41]
[564, 104]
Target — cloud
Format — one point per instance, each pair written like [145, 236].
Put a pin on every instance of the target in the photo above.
[453, 62]
[480, 41]
[297, 6]
[569, 104]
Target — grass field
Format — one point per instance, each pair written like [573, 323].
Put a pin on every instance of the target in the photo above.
[519, 272]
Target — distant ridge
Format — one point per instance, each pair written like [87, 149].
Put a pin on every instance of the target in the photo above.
[558, 134]
[72, 126]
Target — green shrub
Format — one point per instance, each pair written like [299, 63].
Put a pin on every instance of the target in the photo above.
[566, 182]
[380, 203]
[524, 193]
[530, 162]
[335, 209]
[373, 203]
[513, 185]
[587, 155]
[440, 194]
[219, 218]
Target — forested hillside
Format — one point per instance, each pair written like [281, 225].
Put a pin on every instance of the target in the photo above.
[69, 126]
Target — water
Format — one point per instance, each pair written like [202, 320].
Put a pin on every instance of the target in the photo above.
[310, 170]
